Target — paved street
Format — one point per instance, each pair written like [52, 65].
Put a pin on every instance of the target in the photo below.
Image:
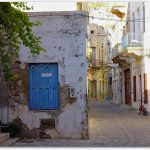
[109, 126]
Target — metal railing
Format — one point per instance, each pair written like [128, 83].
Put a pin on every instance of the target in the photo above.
[116, 49]
[95, 63]
[114, 52]
[132, 40]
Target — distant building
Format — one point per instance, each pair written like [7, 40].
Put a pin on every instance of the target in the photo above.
[133, 58]
[97, 58]
[106, 15]
[117, 34]
[82, 6]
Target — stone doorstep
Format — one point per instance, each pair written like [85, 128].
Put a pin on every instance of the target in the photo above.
[128, 107]
[4, 137]
[9, 142]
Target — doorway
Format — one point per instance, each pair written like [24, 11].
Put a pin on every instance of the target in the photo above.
[127, 87]
[43, 86]
[93, 89]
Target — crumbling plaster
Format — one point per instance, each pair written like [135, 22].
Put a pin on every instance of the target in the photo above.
[64, 37]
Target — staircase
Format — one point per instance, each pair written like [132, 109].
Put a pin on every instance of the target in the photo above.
[4, 137]
[126, 106]
[6, 141]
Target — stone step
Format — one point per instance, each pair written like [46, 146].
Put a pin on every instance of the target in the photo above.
[4, 137]
[128, 107]
[9, 142]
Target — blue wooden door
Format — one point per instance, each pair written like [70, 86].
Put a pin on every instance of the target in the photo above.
[43, 86]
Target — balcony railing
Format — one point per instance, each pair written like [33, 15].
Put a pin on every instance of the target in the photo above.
[116, 49]
[95, 63]
[132, 40]
[114, 52]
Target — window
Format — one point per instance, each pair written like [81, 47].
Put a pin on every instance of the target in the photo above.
[110, 80]
[143, 18]
[93, 52]
[138, 23]
[94, 89]
[133, 16]
[92, 31]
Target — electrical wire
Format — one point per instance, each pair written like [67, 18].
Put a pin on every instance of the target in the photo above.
[134, 20]
[94, 17]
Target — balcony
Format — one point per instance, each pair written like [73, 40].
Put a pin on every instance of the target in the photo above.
[132, 44]
[118, 57]
[93, 63]
[132, 40]
[115, 50]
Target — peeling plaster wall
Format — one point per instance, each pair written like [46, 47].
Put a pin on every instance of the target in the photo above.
[64, 37]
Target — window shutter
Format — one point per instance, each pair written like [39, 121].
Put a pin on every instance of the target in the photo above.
[145, 89]
[134, 88]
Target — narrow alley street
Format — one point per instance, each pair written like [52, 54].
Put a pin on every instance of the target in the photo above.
[117, 126]
[73, 74]
[109, 126]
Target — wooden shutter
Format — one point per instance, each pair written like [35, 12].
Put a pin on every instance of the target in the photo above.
[134, 88]
[145, 89]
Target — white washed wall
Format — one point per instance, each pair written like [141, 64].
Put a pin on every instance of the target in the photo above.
[64, 37]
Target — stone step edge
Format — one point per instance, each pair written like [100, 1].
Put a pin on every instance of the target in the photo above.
[9, 142]
[4, 137]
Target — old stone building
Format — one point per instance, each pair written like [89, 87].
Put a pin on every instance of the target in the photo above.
[95, 54]
[48, 95]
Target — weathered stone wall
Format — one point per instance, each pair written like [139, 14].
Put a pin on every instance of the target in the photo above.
[4, 95]
[64, 37]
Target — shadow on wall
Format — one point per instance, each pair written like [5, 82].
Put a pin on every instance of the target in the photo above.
[3, 95]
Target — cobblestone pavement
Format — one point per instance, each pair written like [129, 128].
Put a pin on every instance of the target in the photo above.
[109, 126]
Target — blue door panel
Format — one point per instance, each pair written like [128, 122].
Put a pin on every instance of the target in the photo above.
[43, 86]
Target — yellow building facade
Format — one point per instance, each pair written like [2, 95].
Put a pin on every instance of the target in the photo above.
[101, 39]
[97, 78]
